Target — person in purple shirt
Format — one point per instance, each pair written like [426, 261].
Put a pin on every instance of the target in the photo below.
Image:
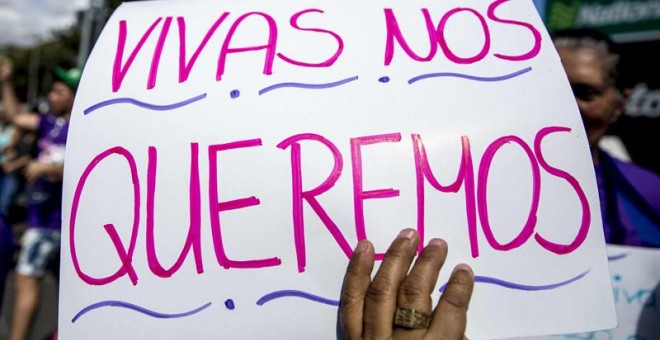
[41, 241]
[629, 194]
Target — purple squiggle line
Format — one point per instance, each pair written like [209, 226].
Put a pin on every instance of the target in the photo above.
[307, 86]
[155, 107]
[470, 77]
[616, 257]
[512, 285]
[297, 293]
[114, 303]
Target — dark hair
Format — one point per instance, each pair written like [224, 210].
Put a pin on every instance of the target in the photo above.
[597, 41]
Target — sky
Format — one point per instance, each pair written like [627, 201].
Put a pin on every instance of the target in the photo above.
[24, 22]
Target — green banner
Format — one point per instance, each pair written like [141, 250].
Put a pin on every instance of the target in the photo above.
[627, 20]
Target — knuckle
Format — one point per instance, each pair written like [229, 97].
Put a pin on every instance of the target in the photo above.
[381, 289]
[457, 302]
[350, 297]
[458, 297]
[410, 291]
[398, 249]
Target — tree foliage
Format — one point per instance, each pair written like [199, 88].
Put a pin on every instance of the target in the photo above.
[39, 60]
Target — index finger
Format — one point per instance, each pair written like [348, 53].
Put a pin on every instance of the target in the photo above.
[354, 289]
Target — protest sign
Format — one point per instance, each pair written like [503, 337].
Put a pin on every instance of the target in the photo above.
[225, 157]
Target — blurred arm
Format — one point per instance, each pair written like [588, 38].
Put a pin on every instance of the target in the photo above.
[28, 121]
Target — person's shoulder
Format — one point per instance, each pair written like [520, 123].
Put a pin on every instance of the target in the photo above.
[644, 182]
[630, 169]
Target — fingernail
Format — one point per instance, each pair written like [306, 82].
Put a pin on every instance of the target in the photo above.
[361, 247]
[407, 233]
[436, 242]
[463, 267]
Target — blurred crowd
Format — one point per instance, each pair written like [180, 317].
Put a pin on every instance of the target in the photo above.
[17, 150]
[32, 145]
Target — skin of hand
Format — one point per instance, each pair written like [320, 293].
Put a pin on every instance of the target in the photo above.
[11, 104]
[5, 69]
[34, 170]
[367, 306]
[14, 164]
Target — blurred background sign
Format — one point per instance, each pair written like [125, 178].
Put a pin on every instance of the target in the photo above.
[624, 20]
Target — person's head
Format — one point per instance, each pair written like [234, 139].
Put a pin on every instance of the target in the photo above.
[591, 64]
[63, 90]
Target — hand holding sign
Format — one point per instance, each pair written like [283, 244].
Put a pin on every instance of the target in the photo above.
[368, 307]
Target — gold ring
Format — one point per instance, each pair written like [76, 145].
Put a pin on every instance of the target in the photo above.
[410, 318]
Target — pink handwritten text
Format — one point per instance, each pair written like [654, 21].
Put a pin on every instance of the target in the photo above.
[473, 184]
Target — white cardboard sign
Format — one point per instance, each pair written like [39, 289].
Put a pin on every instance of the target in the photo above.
[225, 157]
